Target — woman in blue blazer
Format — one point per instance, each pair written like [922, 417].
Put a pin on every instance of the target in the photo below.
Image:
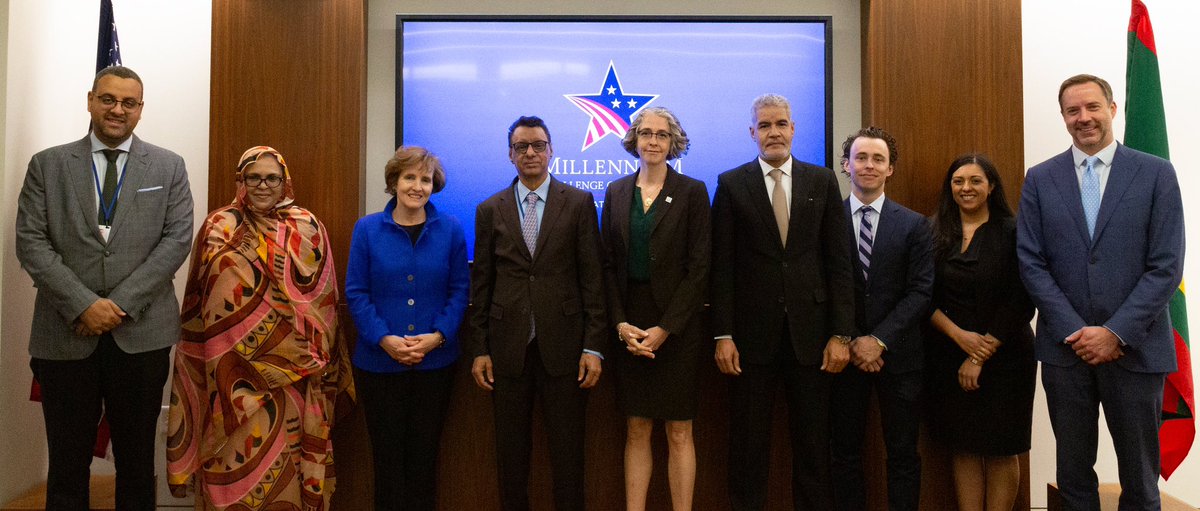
[406, 285]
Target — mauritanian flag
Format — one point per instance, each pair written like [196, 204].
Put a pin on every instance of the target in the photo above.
[1146, 130]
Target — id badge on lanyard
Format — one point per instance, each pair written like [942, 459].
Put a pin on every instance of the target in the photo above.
[106, 209]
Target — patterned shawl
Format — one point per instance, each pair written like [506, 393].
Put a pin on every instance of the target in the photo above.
[262, 362]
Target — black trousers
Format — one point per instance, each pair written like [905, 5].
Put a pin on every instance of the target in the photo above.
[563, 408]
[752, 397]
[128, 387]
[899, 413]
[405, 413]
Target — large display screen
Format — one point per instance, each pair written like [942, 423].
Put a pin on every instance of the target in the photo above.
[461, 81]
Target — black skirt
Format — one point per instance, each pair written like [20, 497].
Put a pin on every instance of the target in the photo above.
[663, 387]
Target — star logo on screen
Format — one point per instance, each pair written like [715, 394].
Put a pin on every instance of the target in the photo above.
[610, 110]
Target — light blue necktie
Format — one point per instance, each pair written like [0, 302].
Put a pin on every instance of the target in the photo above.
[1090, 194]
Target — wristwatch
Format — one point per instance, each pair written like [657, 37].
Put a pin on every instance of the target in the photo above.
[843, 339]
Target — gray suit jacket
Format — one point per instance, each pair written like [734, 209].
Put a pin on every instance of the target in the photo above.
[59, 245]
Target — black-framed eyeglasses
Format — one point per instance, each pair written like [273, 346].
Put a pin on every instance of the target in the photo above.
[662, 136]
[272, 181]
[538, 147]
[128, 104]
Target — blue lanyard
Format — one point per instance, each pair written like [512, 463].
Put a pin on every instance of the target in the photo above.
[107, 209]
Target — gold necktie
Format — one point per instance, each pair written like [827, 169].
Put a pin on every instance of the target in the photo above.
[779, 204]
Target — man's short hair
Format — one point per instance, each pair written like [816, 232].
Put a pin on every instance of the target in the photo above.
[871, 132]
[766, 100]
[528, 121]
[117, 71]
[1082, 79]
[679, 139]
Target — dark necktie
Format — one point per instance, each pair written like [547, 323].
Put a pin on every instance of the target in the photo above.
[110, 185]
[865, 240]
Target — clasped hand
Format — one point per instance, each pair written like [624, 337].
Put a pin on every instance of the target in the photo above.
[977, 346]
[640, 342]
[866, 354]
[1095, 345]
[101, 316]
[410, 349]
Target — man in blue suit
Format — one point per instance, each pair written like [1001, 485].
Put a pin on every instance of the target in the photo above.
[1100, 241]
[893, 281]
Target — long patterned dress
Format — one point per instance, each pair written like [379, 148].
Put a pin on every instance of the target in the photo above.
[261, 365]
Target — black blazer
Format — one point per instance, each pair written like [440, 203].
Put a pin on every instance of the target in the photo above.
[893, 301]
[756, 281]
[563, 284]
[679, 249]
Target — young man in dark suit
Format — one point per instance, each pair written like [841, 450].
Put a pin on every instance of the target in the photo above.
[782, 306]
[538, 321]
[1100, 243]
[103, 223]
[893, 280]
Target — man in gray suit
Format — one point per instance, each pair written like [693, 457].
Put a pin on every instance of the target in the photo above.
[103, 223]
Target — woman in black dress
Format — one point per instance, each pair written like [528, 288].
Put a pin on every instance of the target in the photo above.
[980, 355]
[656, 235]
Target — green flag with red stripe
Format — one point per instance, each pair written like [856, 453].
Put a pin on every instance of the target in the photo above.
[1146, 130]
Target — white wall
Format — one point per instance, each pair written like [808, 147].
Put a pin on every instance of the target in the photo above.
[48, 65]
[1067, 37]
[381, 57]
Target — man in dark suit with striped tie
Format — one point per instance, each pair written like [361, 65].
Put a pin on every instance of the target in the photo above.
[893, 281]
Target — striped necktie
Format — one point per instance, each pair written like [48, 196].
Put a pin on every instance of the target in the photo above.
[865, 240]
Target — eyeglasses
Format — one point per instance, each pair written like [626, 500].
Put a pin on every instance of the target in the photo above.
[272, 181]
[128, 104]
[662, 136]
[538, 147]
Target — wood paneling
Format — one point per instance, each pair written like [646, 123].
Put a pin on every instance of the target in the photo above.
[291, 74]
[944, 78]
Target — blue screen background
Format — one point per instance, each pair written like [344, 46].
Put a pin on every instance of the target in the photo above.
[462, 83]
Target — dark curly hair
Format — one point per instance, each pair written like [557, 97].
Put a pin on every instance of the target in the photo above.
[871, 132]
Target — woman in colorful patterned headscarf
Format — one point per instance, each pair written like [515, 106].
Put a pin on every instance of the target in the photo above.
[261, 365]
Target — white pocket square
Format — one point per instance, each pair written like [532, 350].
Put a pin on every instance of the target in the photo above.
[151, 189]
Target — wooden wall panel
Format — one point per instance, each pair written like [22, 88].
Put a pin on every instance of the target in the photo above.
[291, 74]
[944, 77]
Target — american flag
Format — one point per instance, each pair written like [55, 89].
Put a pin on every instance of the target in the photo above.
[108, 48]
[610, 110]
